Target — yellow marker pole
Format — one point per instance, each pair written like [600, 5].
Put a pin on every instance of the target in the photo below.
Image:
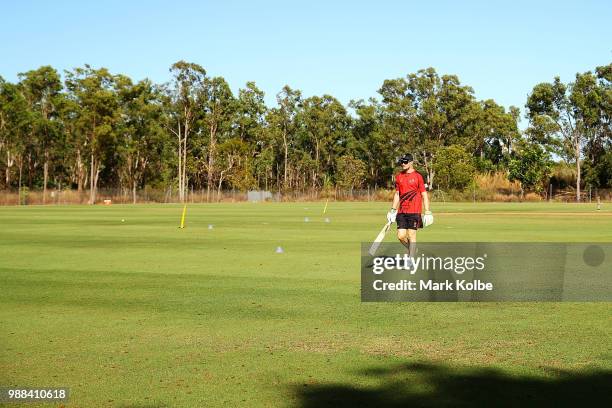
[325, 209]
[183, 216]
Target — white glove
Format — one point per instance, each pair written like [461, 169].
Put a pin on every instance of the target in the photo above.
[391, 215]
[427, 219]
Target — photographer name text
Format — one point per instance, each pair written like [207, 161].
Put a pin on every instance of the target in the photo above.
[431, 285]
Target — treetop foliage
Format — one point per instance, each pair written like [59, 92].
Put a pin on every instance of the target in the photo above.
[96, 128]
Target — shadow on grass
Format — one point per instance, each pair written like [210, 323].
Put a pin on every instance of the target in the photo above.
[429, 385]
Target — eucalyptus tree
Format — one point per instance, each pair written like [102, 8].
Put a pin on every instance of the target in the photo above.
[601, 149]
[183, 112]
[351, 172]
[397, 114]
[495, 131]
[41, 88]
[325, 126]
[4, 120]
[233, 165]
[591, 98]
[219, 106]
[73, 145]
[15, 126]
[93, 90]
[249, 125]
[250, 114]
[141, 136]
[283, 124]
[574, 114]
[426, 111]
[444, 113]
[371, 143]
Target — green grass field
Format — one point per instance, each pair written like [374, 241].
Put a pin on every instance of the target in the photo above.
[142, 314]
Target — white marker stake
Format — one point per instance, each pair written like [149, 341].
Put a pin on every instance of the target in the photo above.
[279, 250]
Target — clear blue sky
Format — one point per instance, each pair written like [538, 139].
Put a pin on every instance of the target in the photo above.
[345, 48]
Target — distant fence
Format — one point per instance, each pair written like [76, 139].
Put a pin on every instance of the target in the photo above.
[148, 195]
[120, 196]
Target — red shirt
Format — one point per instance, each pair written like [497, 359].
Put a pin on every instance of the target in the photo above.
[410, 186]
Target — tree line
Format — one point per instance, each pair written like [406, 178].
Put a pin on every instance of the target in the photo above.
[96, 129]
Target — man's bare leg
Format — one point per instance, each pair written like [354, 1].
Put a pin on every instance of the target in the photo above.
[412, 243]
[402, 236]
[408, 239]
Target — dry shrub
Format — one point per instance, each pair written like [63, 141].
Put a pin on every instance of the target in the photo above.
[29, 197]
[532, 197]
[505, 198]
[383, 195]
[497, 182]
[327, 193]
[488, 188]
[9, 198]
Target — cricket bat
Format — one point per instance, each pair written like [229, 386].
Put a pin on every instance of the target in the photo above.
[379, 238]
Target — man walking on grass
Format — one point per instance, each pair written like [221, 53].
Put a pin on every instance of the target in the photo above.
[410, 196]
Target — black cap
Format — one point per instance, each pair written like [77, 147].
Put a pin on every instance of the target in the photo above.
[406, 158]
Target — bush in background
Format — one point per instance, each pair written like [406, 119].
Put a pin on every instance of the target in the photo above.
[454, 168]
